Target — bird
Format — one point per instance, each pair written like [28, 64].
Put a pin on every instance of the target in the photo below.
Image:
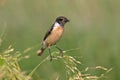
[53, 35]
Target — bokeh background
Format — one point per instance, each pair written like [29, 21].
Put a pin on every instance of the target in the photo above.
[94, 28]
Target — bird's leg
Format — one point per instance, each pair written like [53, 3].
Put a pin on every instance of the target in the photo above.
[50, 53]
[61, 51]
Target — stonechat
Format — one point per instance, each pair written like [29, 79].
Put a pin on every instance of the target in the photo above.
[53, 35]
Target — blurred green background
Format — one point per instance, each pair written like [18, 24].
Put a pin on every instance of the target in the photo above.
[94, 28]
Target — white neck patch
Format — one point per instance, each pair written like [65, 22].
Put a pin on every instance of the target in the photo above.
[56, 25]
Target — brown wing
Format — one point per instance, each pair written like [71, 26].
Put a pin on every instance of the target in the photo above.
[48, 32]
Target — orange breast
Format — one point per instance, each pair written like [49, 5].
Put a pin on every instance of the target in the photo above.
[55, 36]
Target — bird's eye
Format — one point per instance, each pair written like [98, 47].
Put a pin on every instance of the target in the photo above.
[60, 19]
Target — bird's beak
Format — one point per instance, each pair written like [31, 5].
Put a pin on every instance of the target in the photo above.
[67, 20]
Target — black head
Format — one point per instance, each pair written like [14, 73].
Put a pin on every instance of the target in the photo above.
[62, 20]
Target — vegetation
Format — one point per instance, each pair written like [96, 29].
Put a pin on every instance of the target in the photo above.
[10, 68]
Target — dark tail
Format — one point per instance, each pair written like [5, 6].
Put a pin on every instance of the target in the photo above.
[40, 51]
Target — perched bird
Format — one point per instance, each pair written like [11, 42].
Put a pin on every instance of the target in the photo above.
[53, 35]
